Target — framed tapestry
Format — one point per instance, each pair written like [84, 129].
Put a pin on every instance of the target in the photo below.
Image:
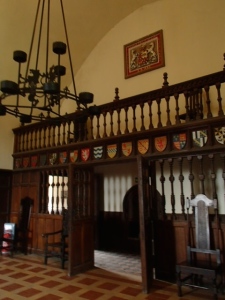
[144, 55]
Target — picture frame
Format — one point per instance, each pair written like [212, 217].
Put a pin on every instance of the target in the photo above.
[144, 55]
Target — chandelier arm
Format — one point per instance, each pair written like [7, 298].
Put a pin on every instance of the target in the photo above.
[46, 85]
[68, 46]
[32, 40]
[18, 96]
[47, 44]
[39, 35]
[47, 47]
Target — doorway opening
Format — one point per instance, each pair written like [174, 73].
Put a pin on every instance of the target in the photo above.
[114, 251]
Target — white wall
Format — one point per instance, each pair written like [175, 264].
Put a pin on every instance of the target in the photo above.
[6, 141]
[193, 43]
[117, 180]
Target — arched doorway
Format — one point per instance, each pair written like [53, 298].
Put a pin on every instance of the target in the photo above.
[131, 220]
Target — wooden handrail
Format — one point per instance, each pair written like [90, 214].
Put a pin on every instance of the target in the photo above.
[168, 106]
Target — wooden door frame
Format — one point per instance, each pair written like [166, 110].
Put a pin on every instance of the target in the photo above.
[145, 223]
[144, 216]
[81, 224]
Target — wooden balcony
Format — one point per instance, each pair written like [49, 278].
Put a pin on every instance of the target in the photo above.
[196, 104]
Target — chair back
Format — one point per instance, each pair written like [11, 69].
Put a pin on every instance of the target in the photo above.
[200, 205]
[24, 214]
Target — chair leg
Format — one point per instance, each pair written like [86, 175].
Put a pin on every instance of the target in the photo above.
[215, 289]
[46, 256]
[179, 283]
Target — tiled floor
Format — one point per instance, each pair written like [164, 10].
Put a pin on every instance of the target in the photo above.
[25, 277]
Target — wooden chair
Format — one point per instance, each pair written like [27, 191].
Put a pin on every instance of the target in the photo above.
[194, 106]
[19, 241]
[57, 248]
[203, 268]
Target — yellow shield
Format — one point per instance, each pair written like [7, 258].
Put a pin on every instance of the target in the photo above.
[143, 146]
[112, 150]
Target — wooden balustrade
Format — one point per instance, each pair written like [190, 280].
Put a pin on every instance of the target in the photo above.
[196, 99]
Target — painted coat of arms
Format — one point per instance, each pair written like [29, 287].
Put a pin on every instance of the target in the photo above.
[179, 140]
[73, 156]
[34, 160]
[220, 135]
[98, 151]
[161, 143]
[26, 161]
[85, 153]
[52, 158]
[127, 148]
[63, 157]
[43, 159]
[18, 163]
[112, 150]
[199, 137]
[145, 54]
[143, 146]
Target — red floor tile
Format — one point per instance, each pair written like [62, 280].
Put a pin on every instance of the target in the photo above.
[131, 291]
[158, 296]
[91, 295]
[12, 287]
[37, 269]
[29, 293]
[24, 266]
[50, 284]
[6, 271]
[52, 273]
[116, 298]
[87, 281]
[108, 286]
[50, 297]
[18, 275]
[3, 281]
[70, 289]
[33, 279]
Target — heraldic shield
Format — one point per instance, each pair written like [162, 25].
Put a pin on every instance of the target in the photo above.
[161, 143]
[220, 135]
[73, 156]
[179, 141]
[127, 148]
[112, 150]
[199, 137]
[143, 146]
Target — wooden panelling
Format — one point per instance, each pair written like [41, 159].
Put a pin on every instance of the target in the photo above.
[180, 233]
[81, 243]
[5, 192]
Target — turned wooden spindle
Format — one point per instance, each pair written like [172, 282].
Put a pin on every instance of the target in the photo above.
[116, 95]
[165, 82]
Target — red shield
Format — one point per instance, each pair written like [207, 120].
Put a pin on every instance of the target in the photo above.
[34, 161]
[85, 153]
[161, 143]
[26, 161]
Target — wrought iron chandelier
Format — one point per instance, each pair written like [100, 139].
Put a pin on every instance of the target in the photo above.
[38, 95]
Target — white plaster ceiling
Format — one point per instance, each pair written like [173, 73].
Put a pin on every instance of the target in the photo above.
[87, 22]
